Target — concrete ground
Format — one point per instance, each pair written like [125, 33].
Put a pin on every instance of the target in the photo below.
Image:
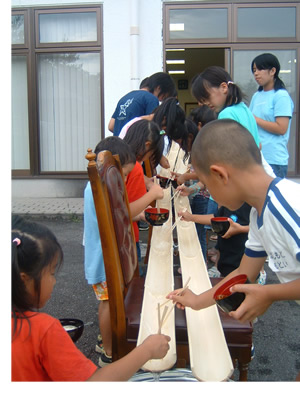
[276, 334]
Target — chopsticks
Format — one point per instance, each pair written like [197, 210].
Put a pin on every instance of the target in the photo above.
[175, 194]
[161, 320]
[156, 181]
[179, 293]
[168, 181]
[178, 219]
[166, 315]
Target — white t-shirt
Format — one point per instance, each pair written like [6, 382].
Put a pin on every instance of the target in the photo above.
[276, 232]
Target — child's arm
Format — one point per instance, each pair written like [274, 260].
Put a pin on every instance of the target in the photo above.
[279, 127]
[181, 178]
[111, 125]
[137, 206]
[154, 347]
[164, 162]
[198, 218]
[248, 266]
[188, 190]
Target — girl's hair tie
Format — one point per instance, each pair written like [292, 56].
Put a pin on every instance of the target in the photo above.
[162, 132]
[230, 82]
[17, 241]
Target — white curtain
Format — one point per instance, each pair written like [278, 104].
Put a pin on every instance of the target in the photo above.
[68, 27]
[19, 117]
[69, 109]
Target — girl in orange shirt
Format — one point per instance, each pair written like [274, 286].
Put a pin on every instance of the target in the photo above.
[41, 348]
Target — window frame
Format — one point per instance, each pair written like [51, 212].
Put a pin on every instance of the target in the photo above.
[32, 51]
[72, 10]
[239, 44]
[178, 6]
[236, 7]
[26, 44]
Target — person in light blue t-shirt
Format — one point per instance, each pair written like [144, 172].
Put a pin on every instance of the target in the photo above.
[272, 107]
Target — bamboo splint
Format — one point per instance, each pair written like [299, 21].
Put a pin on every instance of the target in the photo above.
[209, 355]
[159, 281]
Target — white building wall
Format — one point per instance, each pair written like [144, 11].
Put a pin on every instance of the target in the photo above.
[132, 50]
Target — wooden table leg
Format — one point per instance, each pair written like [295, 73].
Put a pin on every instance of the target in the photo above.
[243, 369]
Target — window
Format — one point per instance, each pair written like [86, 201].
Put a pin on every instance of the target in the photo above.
[198, 23]
[269, 23]
[69, 109]
[64, 96]
[19, 105]
[19, 28]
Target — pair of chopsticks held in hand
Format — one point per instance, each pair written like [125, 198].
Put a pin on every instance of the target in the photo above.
[165, 313]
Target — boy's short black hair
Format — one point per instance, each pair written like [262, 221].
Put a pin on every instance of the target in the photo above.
[203, 114]
[117, 146]
[224, 141]
[164, 81]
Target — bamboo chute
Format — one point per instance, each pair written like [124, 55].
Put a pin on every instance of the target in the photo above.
[209, 355]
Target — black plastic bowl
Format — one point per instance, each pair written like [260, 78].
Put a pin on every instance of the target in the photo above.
[74, 327]
[155, 218]
[163, 181]
[220, 225]
[174, 183]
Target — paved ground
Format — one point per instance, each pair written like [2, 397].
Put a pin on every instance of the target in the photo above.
[276, 334]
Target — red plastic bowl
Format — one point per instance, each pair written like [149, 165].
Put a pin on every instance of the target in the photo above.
[224, 290]
[226, 300]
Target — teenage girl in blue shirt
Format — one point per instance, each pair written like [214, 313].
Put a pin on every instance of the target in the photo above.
[272, 107]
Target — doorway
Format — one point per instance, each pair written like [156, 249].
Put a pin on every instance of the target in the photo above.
[184, 63]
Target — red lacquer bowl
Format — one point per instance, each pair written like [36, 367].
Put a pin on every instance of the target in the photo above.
[155, 218]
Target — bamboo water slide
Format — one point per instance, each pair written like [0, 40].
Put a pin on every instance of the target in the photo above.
[209, 355]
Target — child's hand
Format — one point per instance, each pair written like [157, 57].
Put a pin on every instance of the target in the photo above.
[184, 190]
[149, 182]
[234, 229]
[185, 215]
[180, 177]
[174, 175]
[255, 303]
[140, 217]
[158, 345]
[186, 299]
[156, 191]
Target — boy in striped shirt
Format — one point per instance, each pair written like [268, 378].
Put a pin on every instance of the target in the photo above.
[229, 164]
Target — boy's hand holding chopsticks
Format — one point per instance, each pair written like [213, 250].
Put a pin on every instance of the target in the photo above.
[183, 297]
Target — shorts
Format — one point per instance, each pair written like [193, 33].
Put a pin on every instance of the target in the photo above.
[100, 290]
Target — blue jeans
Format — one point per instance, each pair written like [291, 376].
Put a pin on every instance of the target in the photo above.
[212, 208]
[138, 250]
[280, 170]
[199, 206]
